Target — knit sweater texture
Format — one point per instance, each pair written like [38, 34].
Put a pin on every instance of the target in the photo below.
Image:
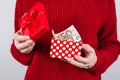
[95, 21]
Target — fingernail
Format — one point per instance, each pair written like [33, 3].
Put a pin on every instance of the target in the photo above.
[30, 42]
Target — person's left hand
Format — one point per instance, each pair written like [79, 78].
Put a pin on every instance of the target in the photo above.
[88, 61]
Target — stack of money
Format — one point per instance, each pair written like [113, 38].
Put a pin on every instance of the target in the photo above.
[70, 34]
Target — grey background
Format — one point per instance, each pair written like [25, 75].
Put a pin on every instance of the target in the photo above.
[11, 69]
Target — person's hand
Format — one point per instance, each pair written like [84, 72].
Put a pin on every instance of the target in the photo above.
[88, 61]
[23, 43]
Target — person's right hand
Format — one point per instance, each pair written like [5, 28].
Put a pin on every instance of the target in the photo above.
[23, 43]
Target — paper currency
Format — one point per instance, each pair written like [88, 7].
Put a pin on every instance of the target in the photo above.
[70, 34]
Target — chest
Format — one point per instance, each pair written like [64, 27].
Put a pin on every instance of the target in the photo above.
[86, 15]
[63, 13]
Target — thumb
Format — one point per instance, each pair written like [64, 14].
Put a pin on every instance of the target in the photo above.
[87, 48]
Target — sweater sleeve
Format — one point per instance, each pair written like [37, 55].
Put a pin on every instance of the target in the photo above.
[24, 59]
[109, 48]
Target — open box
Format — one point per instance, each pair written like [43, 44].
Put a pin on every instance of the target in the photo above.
[64, 49]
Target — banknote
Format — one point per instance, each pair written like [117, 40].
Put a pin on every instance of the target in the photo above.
[70, 34]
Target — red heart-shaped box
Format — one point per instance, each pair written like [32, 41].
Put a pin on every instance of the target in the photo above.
[65, 49]
[34, 23]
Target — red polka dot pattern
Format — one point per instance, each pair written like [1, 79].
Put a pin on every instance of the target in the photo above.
[64, 49]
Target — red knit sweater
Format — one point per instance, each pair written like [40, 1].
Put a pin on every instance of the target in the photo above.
[95, 21]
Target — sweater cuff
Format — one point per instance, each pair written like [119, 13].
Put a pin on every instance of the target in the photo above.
[100, 65]
[24, 59]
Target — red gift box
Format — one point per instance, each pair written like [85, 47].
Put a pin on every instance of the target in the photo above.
[34, 23]
[65, 49]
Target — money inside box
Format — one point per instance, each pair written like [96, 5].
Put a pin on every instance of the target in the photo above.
[66, 44]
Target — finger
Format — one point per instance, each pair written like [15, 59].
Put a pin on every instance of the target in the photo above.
[88, 65]
[24, 45]
[18, 37]
[75, 63]
[28, 49]
[21, 38]
[16, 43]
[87, 48]
[89, 54]
[91, 64]
[82, 59]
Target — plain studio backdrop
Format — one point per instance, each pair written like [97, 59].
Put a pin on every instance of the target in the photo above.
[11, 69]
